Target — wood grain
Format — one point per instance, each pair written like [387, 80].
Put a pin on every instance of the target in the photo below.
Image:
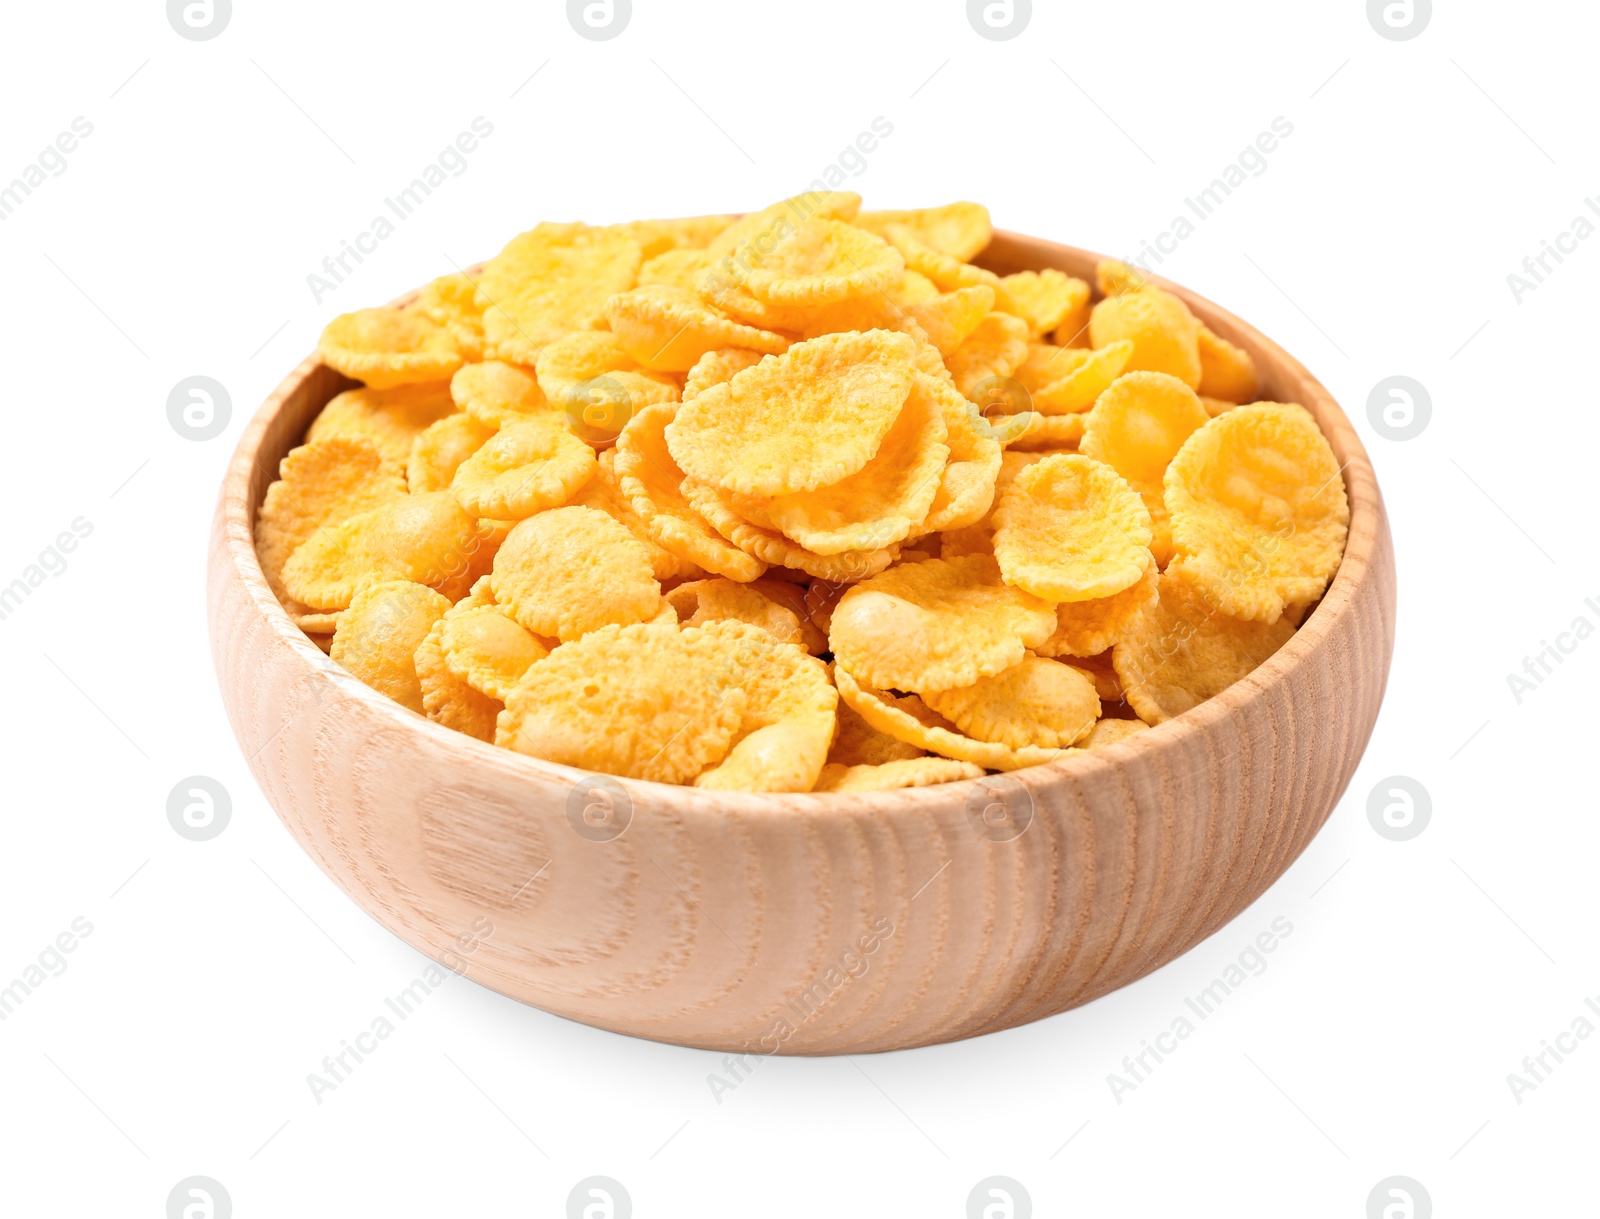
[737, 922]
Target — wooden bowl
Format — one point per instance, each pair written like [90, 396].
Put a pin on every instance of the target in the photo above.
[807, 924]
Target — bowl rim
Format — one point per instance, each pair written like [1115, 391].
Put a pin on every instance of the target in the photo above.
[236, 513]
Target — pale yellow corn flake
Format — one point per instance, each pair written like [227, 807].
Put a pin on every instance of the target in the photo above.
[388, 418]
[386, 347]
[1113, 277]
[1036, 702]
[446, 698]
[553, 279]
[761, 230]
[1226, 372]
[1088, 628]
[1164, 334]
[914, 288]
[451, 301]
[378, 635]
[894, 775]
[819, 262]
[497, 393]
[909, 719]
[676, 268]
[423, 539]
[805, 419]
[524, 468]
[487, 648]
[1100, 670]
[997, 347]
[1136, 427]
[653, 484]
[787, 756]
[1112, 732]
[780, 680]
[644, 701]
[936, 625]
[1259, 512]
[949, 318]
[1185, 650]
[960, 230]
[440, 448]
[1044, 299]
[716, 367]
[569, 571]
[321, 483]
[668, 329]
[1069, 528]
[887, 498]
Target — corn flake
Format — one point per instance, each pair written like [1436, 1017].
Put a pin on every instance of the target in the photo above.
[668, 329]
[378, 636]
[960, 230]
[385, 347]
[553, 279]
[440, 448]
[524, 468]
[1070, 529]
[388, 418]
[569, 571]
[1164, 334]
[1088, 628]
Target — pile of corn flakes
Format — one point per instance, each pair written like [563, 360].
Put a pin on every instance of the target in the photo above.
[803, 500]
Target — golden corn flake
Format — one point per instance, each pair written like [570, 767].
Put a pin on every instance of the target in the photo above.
[1070, 529]
[1164, 334]
[712, 600]
[388, 418]
[936, 625]
[566, 572]
[1112, 732]
[1102, 673]
[496, 393]
[1088, 628]
[1137, 427]
[653, 483]
[949, 318]
[960, 230]
[1184, 651]
[790, 590]
[947, 273]
[884, 500]
[1064, 380]
[676, 268]
[858, 743]
[1043, 299]
[522, 469]
[805, 419]
[894, 776]
[1033, 431]
[819, 262]
[909, 719]
[1259, 514]
[488, 649]
[550, 280]
[773, 548]
[589, 364]
[787, 756]
[997, 347]
[668, 329]
[385, 347]
[446, 698]
[914, 288]
[1226, 371]
[967, 484]
[378, 635]
[716, 367]
[422, 539]
[1037, 702]
[643, 701]
[604, 493]
[451, 301]
[440, 448]
[319, 484]
[1113, 278]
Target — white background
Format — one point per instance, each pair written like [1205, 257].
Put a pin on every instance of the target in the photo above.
[178, 241]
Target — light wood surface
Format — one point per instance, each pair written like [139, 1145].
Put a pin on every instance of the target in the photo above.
[734, 921]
